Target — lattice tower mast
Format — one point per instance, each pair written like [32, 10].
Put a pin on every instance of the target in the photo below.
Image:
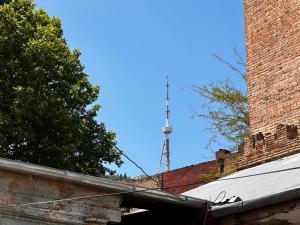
[167, 130]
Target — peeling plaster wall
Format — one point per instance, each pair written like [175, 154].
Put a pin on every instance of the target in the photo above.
[7, 219]
[17, 188]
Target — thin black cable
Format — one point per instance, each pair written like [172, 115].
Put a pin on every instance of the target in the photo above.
[147, 189]
[239, 177]
[208, 207]
[157, 182]
[260, 174]
[222, 192]
[209, 204]
[127, 157]
[222, 179]
[181, 197]
[144, 189]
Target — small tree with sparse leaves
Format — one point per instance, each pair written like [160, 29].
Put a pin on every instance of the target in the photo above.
[225, 106]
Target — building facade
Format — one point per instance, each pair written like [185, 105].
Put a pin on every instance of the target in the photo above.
[272, 30]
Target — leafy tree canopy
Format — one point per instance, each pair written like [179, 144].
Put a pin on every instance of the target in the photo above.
[46, 111]
[225, 106]
[4, 1]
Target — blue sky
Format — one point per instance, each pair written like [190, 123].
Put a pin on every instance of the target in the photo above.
[129, 46]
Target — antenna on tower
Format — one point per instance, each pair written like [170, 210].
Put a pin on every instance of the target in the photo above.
[167, 130]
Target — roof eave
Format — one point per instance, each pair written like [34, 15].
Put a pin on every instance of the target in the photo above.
[144, 194]
[242, 206]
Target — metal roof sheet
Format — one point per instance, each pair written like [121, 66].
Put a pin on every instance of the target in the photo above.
[247, 185]
[133, 196]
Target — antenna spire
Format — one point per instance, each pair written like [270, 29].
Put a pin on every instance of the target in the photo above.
[167, 130]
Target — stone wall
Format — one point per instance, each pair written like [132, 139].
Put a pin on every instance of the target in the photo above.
[154, 181]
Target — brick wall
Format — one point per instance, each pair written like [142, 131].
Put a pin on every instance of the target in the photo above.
[189, 177]
[186, 178]
[230, 164]
[262, 148]
[272, 29]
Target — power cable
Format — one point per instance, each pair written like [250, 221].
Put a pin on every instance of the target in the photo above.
[259, 174]
[222, 192]
[147, 189]
[240, 177]
[127, 157]
[157, 182]
[209, 204]
[66, 199]
[89, 196]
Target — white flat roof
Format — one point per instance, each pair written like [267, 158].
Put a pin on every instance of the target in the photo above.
[246, 185]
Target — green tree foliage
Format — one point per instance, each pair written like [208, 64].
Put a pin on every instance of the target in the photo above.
[225, 106]
[4, 1]
[46, 111]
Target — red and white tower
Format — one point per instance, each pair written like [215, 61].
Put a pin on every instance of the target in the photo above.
[167, 130]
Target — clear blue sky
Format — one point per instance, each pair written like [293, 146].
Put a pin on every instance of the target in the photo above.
[129, 46]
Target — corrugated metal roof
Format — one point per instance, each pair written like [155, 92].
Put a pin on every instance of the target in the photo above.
[242, 184]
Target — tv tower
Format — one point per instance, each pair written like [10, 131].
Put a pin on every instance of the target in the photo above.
[167, 130]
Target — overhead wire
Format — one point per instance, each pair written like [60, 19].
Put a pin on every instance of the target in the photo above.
[209, 205]
[139, 167]
[149, 189]
[260, 174]
[89, 196]
[143, 171]
[143, 189]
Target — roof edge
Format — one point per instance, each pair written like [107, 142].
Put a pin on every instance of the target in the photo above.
[114, 186]
[242, 206]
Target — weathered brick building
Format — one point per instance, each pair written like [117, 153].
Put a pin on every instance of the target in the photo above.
[273, 62]
[265, 190]
[186, 178]
[266, 194]
[272, 31]
[183, 179]
[37, 195]
[180, 180]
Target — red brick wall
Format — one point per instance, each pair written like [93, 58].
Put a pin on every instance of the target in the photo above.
[183, 179]
[272, 29]
[195, 175]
